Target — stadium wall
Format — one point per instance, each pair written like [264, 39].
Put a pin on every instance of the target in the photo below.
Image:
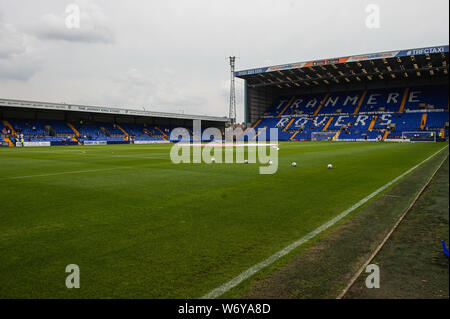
[257, 101]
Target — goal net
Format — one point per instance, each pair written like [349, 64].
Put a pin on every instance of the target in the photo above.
[422, 136]
[322, 136]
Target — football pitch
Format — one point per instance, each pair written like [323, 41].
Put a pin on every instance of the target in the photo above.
[140, 226]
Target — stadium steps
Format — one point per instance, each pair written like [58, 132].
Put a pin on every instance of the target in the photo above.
[385, 135]
[164, 134]
[289, 124]
[293, 135]
[336, 136]
[321, 104]
[259, 131]
[8, 125]
[423, 121]
[328, 124]
[124, 132]
[7, 139]
[256, 124]
[287, 105]
[77, 134]
[405, 96]
[76, 140]
[372, 123]
[363, 96]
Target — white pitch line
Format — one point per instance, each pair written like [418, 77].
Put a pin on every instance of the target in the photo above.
[63, 173]
[217, 292]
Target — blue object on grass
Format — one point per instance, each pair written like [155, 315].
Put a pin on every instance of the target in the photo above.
[444, 248]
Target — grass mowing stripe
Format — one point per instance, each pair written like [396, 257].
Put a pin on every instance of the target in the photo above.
[217, 292]
[63, 173]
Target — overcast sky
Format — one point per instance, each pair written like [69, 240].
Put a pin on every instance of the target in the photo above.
[171, 55]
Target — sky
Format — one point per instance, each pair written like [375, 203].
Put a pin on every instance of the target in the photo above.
[171, 55]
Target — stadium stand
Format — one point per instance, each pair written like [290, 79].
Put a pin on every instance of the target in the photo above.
[360, 115]
[376, 96]
[48, 124]
[62, 133]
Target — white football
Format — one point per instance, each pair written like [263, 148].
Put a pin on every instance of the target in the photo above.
[245, 161]
[270, 162]
[294, 164]
[213, 159]
[330, 166]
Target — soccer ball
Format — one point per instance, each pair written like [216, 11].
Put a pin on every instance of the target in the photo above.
[213, 160]
[330, 166]
[245, 161]
[270, 162]
[294, 164]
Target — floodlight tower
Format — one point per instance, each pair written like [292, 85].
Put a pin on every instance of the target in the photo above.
[232, 114]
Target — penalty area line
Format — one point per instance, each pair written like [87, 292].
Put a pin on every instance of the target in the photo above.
[217, 292]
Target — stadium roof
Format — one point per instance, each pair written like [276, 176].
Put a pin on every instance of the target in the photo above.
[402, 64]
[103, 110]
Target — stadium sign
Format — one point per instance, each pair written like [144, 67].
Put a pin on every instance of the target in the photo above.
[34, 144]
[95, 143]
[104, 110]
[354, 58]
[432, 50]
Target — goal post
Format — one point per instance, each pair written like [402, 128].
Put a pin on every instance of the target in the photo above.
[420, 136]
[322, 136]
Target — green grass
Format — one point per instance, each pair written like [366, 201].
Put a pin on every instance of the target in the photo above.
[140, 226]
[323, 267]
